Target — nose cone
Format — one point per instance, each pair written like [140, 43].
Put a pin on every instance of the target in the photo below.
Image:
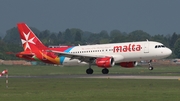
[168, 52]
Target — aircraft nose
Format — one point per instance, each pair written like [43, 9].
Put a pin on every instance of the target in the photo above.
[168, 52]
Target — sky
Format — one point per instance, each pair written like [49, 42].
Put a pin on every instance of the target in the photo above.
[151, 16]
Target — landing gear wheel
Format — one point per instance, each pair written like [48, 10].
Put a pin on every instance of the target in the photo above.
[89, 71]
[150, 67]
[105, 71]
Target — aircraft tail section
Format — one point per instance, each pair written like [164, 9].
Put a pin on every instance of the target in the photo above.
[29, 40]
[34, 49]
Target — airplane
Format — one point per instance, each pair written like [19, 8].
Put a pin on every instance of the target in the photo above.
[105, 56]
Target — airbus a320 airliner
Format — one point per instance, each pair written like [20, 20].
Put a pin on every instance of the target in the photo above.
[102, 55]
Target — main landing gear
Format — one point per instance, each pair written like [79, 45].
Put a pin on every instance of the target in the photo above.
[150, 66]
[105, 71]
[90, 70]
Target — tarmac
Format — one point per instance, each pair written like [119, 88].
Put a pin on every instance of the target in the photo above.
[101, 76]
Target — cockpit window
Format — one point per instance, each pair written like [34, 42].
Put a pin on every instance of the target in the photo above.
[162, 46]
[159, 46]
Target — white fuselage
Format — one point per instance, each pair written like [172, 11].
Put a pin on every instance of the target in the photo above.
[122, 52]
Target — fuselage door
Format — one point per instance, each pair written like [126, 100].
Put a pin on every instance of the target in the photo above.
[146, 47]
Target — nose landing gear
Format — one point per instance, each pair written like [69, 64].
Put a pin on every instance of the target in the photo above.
[150, 65]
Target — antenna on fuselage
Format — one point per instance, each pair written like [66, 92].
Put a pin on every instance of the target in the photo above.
[147, 40]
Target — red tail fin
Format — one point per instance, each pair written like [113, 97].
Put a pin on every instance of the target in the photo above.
[29, 39]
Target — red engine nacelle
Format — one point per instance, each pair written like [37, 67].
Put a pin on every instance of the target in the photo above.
[128, 64]
[105, 62]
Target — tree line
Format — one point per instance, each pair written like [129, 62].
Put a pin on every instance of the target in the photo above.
[11, 43]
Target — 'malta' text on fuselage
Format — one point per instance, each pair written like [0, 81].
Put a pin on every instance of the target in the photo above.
[127, 48]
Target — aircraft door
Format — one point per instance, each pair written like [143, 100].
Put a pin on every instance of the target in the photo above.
[146, 47]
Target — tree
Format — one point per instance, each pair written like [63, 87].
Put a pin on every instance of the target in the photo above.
[173, 40]
[177, 48]
[78, 36]
[68, 37]
[44, 36]
[85, 36]
[138, 35]
[115, 33]
[12, 42]
[103, 37]
[12, 36]
[104, 34]
[117, 36]
[52, 39]
[35, 30]
[60, 38]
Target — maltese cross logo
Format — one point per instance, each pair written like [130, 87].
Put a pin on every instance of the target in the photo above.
[27, 40]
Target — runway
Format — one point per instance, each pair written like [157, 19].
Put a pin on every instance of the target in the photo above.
[101, 76]
[134, 77]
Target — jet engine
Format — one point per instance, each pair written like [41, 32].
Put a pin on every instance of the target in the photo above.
[105, 62]
[128, 64]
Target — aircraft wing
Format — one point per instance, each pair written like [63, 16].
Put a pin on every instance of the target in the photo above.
[82, 57]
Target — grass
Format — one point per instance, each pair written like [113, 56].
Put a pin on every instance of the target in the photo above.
[43, 89]
[79, 89]
[59, 70]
